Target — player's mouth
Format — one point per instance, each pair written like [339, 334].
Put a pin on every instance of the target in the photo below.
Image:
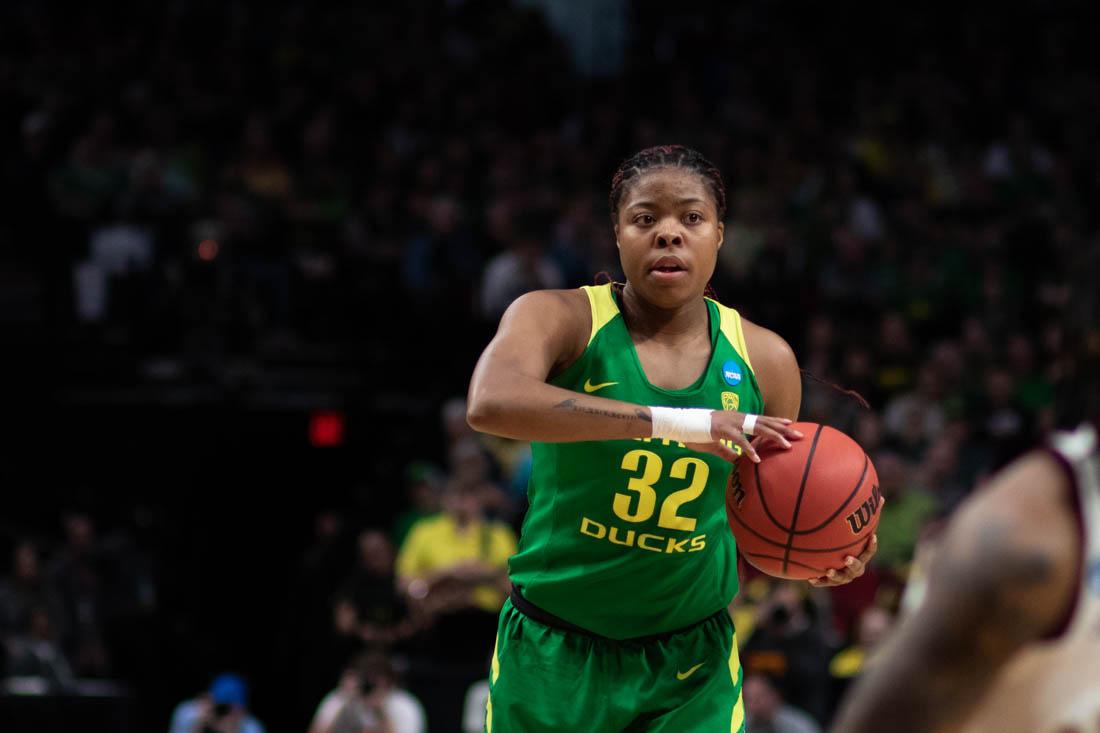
[668, 268]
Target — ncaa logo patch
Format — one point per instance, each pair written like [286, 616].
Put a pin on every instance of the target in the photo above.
[730, 401]
[731, 372]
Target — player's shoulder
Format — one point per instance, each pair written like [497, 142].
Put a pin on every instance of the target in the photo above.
[767, 349]
[1019, 534]
[565, 308]
[1028, 505]
[562, 316]
[1032, 489]
[572, 301]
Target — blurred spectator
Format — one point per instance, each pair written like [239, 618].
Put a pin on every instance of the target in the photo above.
[524, 266]
[767, 712]
[369, 700]
[874, 625]
[482, 462]
[895, 358]
[453, 568]
[1034, 391]
[77, 577]
[1003, 422]
[977, 349]
[848, 278]
[939, 474]
[745, 235]
[423, 485]
[452, 416]
[379, 609]
[579, 231]
[947, 361]
[920, 408]
[868, 432]
[308, 631]
[222, 709]
[908, 507]
[323, 564]
[441, 264]
[470, 466]
[756, 588]
[461, 438]
[36, 653]
[857, 372]
[788, 646]
[83, 186]
[23, 591]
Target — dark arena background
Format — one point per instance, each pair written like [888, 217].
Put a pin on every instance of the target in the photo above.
[250, 252]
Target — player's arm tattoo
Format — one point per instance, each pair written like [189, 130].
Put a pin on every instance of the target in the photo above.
[572, 406]
[931, 673]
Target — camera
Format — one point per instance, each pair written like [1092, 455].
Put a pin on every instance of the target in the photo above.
[779, 617]
[366, 685]
[220, 711]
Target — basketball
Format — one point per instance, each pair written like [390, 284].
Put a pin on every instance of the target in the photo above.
[801, 511]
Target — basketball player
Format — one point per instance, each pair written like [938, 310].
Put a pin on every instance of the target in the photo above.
[1007, 637]
[617, 620]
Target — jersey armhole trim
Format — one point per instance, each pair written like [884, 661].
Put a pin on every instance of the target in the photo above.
[1070, 614]
[603, 308]
[730, 324]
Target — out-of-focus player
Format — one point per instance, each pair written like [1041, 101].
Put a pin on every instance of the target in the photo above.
[1007, 637]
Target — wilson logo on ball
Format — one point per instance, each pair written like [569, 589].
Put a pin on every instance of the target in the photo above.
[736, 489]
[858, 519]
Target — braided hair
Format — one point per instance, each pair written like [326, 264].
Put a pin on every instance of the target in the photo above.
[666, 156]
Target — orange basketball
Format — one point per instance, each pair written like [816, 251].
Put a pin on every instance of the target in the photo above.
[801, 511]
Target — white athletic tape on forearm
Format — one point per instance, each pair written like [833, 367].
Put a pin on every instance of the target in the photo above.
[686, 425]
[749, 425]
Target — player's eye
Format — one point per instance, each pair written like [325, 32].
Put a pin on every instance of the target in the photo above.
[693, 217]
[644, 219]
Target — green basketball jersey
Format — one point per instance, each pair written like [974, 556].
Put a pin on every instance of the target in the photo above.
[629, 538]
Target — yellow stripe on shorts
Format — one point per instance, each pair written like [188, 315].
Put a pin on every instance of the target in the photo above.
[738, 718]
[494, 672]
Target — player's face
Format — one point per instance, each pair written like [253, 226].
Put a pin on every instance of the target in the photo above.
[668, 234]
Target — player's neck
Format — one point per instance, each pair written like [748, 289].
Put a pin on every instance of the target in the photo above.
[670, 325]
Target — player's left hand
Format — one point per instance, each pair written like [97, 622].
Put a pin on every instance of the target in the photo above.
[853, 567]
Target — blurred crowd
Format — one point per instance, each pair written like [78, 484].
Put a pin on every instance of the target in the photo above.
[197, 193]
[74, 606]
[422, 592]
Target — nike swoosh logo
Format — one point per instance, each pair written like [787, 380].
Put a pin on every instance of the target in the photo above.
[690, 672]
[590, 388]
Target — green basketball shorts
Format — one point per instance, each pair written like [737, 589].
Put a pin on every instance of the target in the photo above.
[547, 679]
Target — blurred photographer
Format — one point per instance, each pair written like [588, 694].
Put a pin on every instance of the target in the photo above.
[789, 647]
[767, 712]
[369, 700]
[222, 709]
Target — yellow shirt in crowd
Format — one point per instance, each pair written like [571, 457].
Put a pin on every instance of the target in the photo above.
[437, 543]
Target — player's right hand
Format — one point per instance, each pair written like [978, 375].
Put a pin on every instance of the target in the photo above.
[726, 425]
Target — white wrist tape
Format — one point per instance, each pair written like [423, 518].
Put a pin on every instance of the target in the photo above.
[749, 425]
[686, 425]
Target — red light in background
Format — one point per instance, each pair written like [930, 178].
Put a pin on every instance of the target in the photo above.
[208, 250]
[326, 429]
